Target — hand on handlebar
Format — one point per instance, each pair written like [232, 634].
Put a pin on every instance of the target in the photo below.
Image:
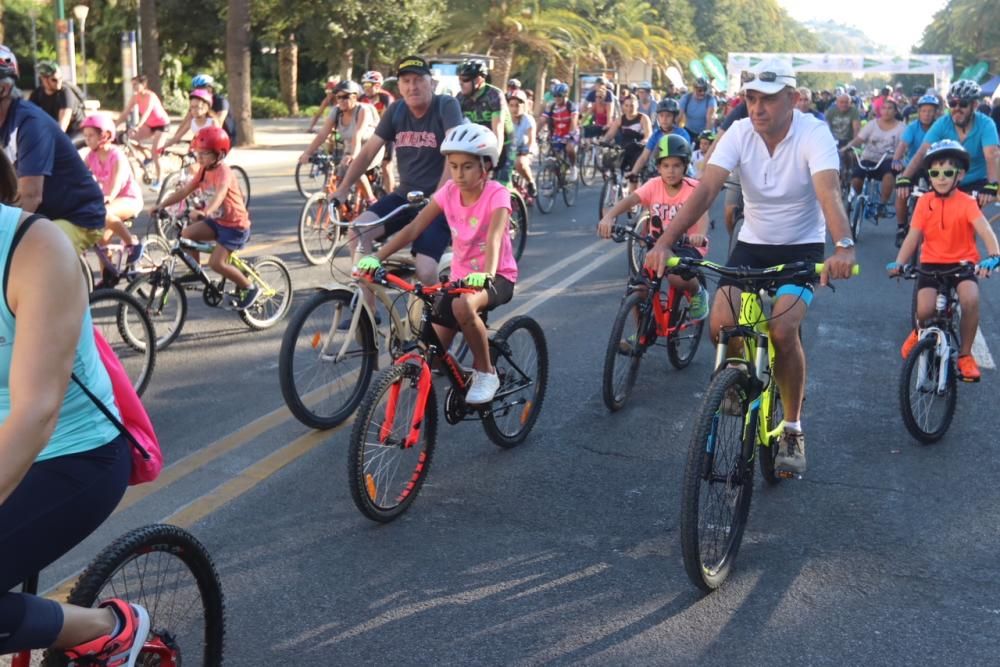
[838, 266]
[478, 280]
[304, 158]
[369, 264]
[903, 187]
[987, 265]
[697, 240]
[987, 195]
[604, 227]
[894, 269]
[656, 258]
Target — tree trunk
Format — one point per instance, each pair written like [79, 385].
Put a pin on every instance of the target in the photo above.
[238, 38]
[503, 60]
[3, 31]
[541, 86]
[150, 45]
[347, 73]
[288, 74]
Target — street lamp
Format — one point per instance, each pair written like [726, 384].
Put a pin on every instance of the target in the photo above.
[80, 12]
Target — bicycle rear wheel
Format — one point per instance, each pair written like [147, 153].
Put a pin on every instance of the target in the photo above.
[320, 386]
[164, 302]
[275, 297]
[171, 575]
[521, 358]
[636, 250]
[310, 178]
[126, 327]
[857, 215]
[384, 473]
[317, 229]
[243, 180]
[718, 481]
[570, 190]
[927, 409]
[628, 342]
[548, 185]
[518, 225]
[682, 343]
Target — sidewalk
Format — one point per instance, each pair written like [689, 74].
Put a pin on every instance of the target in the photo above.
[278, 141]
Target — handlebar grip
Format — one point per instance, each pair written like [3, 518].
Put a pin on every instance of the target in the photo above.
[675, 260]
[855, 269]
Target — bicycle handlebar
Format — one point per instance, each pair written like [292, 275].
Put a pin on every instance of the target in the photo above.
[618, 234]
[912, 271]
[383, 277]
[380, 221]
[792, 269]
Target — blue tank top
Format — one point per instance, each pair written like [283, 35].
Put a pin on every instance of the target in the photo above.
[81, 426]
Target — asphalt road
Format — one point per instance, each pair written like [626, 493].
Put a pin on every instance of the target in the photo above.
[565, 550]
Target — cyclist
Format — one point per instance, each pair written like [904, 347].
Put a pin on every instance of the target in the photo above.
[380, 99]
[51, 178]
[199, 116]
[913, 136]
[631, 131]
[806, 103]
[564, 125]
[880, 138]
[913, 107]
[525, 134]
[223, 218]
[700, 156]
[844, 120]
[975, 131]
[478, 213]
[485, 104]
[646, 103]
[122, 196]
[416, 123]
[356, 122]
[667, 111]
[220, 105]
[153, 119]
[776, 148]
[946, 223]
[64, 466]
[60, 99]
[664, 197]
[329, 98]
[698, 109]
[599, 109]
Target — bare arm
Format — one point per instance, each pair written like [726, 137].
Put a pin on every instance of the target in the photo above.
[123, 116]
[212, 207]
[359, 164]
[30, 189]
[118, 178]
[992, 155]
[409, 234]
[985, 232]
[48, 324]
[181, 131]
[909, 246]
[177, 195]
[319, 112]
[612, 130]
[317, 140]
[647, 127]
[915, 163]
[622, 205]
[65, 117]
[827, 186]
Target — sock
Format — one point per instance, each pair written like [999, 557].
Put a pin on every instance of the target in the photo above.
[794, 426]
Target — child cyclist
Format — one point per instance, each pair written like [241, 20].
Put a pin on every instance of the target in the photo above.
[947, 221]
[663, 197]
[478, 213]
[224, 217]
[122, 197]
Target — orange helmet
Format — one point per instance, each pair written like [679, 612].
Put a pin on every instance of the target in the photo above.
[212, 139]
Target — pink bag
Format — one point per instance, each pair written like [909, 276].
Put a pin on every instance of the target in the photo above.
[147, 459]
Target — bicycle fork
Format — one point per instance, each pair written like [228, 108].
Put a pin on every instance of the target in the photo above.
[942, 351]
[417, 419]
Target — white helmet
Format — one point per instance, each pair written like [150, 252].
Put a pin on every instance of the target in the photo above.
[472, 139]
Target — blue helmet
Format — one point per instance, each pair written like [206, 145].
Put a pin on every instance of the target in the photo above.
[560, 90]
[947, 149]
[929, 99]
[202, 80]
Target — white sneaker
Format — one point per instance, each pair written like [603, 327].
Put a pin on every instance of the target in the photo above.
[483, 388]
[574, 174]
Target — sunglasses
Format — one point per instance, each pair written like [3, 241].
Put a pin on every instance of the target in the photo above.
[344, 97]
[465, 79]
[938, 173]
[766, 77]
[965, 104]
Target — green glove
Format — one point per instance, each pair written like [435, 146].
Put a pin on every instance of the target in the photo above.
[369, 264]
[478, 280]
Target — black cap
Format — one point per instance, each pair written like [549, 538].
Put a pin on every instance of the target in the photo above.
[412, 64]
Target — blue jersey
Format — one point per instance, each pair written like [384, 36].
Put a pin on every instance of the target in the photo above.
[982, 133]
[658, 134]
[913, 137]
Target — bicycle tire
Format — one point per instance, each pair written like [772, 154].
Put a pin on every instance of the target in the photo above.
[857, 216]
[168, 312]
[548, 185]
[131, 558]
[88, 274]
[570, 191]
[588, 166]
[768, 454]
[703, 454]
[314, 233]
[506, 352]
[242, 180]
[312, 394]
[915, 421]
[309, 179]
[135, 343]
[275, 297]
[366, 481]
[636, 252]
[678, 355]
[518, 225]
[167, 185]
[616, 387]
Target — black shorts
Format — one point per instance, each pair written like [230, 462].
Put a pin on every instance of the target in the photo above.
[432, 242]
[591, 131]
[630, 155]
[928, 281]
[884, 168]
[499, 293]
[759, 256]
[968, 187]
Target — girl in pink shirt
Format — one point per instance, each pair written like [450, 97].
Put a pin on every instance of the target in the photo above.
[122, 197]
[478, 214]
[153, 119]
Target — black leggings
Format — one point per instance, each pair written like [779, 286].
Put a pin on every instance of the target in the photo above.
[58, 503]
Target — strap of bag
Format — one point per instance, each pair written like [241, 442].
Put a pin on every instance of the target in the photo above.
[18, 235]
[111, 417]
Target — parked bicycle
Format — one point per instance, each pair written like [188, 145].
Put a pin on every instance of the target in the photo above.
[553, 178]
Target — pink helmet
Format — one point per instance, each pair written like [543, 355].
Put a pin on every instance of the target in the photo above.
[201, 94]
[102, 123]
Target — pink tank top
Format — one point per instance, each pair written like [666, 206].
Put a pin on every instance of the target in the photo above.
[103, 171]
[158, 116]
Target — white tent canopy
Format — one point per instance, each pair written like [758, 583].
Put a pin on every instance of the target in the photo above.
[937, 65]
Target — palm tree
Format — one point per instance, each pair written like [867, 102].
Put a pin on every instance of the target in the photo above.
[238, 36]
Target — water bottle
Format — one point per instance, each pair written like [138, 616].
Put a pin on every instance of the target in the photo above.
[941, 303]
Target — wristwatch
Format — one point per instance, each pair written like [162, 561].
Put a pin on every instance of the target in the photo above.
[846, 242]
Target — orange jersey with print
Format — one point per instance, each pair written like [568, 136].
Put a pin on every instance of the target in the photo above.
[947, 226]
[661, 204]
[233, 212]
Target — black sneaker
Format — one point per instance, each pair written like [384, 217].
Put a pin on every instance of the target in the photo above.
[791, 452]
[135, 252]
[247, 297]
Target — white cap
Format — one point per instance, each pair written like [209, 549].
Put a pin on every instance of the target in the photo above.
[785, 77]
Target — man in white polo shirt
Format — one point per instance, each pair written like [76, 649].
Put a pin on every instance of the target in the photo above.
[789, 171]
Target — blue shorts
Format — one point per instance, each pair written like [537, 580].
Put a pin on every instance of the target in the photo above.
[228, 237]
[432, 242]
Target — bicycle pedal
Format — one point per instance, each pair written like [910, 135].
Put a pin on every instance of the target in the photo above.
[787, 474]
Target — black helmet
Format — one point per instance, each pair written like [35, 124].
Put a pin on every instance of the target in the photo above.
[600, 81]
[474, 67]
[348, 86]
[947, 149]
[668, 104]
[672, 145]
[701, 82]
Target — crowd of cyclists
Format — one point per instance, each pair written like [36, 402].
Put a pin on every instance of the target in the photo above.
[783, 146]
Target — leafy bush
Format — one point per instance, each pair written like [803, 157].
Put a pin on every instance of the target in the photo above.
[266, 107]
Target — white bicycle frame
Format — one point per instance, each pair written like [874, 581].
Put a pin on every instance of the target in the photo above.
[942, 349]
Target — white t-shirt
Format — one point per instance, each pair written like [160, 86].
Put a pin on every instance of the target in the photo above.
[780, 204]
[879, 142]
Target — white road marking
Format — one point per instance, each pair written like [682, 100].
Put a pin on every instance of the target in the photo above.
[981, 351]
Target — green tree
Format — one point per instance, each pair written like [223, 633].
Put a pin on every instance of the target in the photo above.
[967, 29]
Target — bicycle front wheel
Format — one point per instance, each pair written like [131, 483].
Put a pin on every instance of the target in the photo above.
[392, 447]
[165, 302]
[171, 575]
[324, 374]
[718, 481]
[857, 215]
[309, 179]
[317, 229]
[243, 181]
[635, 250]
[548, 185]
[686, 334]
[126, 327]
[521, 359]
[588, 165]
[570, 190]
[927, 406]
[518, 225]
[627, 344]
[275, 298]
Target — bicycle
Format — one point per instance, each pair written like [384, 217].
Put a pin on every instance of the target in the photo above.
[868, 203]
[162, 292]
[645, 315]
[740, 419]
[398, 418]
[181, 176]
[312, 176]
[140, 159]
[928, 383]
[847, 162]
[325, 367]
[613, 190]
[588, 158]
[321, 232]
[169, 573]
[111, 267]
[553, 177]
[127, 328]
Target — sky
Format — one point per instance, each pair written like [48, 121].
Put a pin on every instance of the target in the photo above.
[893, 24]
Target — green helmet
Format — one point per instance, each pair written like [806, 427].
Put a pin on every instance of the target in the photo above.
[672, 145]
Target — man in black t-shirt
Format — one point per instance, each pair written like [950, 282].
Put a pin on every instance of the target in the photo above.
[58, 98]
